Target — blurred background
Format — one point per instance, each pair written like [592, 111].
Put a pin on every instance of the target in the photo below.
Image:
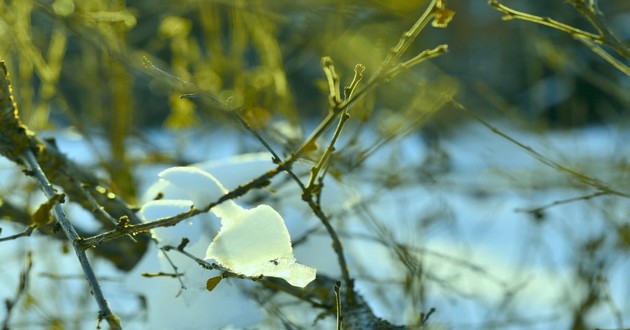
[81, 62]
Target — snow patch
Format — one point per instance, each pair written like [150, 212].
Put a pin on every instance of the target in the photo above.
[250, 242]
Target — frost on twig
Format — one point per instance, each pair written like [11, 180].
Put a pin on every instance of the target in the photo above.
[250, 242]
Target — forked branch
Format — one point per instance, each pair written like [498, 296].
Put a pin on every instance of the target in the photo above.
[594, 41]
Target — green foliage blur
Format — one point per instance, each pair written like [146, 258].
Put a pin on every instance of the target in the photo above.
[79, 63]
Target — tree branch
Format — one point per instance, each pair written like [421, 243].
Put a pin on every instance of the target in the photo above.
[105, 312]
[76, 181]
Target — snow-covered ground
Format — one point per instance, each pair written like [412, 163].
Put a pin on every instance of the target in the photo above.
[476, 256]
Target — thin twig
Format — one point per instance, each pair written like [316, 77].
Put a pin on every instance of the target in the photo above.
[546, 21]
[421, 57]
[275, 157]
[336, 245]
[409, 36]
[27, 232]
[105, 312]
[591, 40]
[597, 49]
[595, 17]
[348, 92]
[541, 158]
[424, 319]
[99, 209]
[338, 305]
[22, 287]
[225, 273]
[539, 209]
[176, 270]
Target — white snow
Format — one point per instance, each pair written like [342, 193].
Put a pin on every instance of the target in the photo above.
[250, 242]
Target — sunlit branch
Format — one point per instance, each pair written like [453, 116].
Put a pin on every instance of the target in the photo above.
[592, 40]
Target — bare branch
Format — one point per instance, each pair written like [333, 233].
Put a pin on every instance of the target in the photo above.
[104, 311]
